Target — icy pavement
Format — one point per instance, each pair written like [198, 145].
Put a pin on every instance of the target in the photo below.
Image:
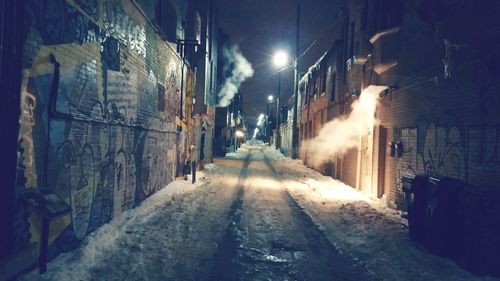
[254, 215]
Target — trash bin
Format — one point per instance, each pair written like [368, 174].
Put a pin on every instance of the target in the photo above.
[415, 190]
[481, 228]
[444, 217]
[434, 220]
[407, 181]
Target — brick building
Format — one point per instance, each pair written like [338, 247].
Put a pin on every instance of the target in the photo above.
[440, 70]
[107, 107]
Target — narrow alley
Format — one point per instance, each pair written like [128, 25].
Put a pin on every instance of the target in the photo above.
[254, 215]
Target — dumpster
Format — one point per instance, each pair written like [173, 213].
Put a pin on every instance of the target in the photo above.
[456, 220]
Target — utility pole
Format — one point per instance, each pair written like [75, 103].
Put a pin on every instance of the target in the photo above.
[295, 134]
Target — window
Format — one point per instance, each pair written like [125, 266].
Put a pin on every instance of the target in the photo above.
[166, 19]
[317, 82]
[323, 81]
[351, 40]
[345, 38]
[388, 14]
[334, 86]
[304, 91]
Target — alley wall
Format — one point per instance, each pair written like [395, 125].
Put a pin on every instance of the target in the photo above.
[99, 100]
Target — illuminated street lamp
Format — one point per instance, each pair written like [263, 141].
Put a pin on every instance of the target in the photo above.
[270, 100]
[281, 59]
[261, 119]
[239, 134]
[255, 132]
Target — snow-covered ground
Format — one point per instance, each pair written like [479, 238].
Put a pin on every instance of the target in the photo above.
[254, 215]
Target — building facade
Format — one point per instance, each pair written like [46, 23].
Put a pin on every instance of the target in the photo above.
[111, 99]
[441, 80]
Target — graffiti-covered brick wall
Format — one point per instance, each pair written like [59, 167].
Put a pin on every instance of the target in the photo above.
[100, 97]
[448, 127]
[444, 101]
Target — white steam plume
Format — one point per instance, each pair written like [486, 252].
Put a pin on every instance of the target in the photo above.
[341, 134]
[239, 70]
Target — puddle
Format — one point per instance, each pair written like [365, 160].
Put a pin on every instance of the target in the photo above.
[275, 254]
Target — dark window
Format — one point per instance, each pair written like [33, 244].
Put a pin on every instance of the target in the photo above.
[317, 82]
[334, 86]
[388, 14]
[345, 38]
[166, 18]
[323, 81]
[306, 92]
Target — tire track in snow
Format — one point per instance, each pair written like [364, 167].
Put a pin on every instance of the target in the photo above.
[224, 267]
[344, 267]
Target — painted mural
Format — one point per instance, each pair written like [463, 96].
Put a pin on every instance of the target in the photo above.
[100, 96]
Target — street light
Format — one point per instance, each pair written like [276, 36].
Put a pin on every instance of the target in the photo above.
[271, 99]
[239, 134]
[255, 132]
[281, 59]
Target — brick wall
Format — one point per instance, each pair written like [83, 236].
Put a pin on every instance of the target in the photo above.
[443, 102]
[446, 129]
[99, 99]
[444, 108]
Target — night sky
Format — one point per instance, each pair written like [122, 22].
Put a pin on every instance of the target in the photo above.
[260, 27]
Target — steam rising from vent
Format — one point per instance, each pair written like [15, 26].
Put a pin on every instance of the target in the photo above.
[239, 70]
[341, 134]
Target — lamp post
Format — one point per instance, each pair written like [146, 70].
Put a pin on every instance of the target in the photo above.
[282, 59]
[260, 123]
[295, 133]
[270, 100]
[278, 135]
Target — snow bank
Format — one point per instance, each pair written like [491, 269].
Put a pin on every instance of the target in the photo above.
[363, 228]
[93, 249]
